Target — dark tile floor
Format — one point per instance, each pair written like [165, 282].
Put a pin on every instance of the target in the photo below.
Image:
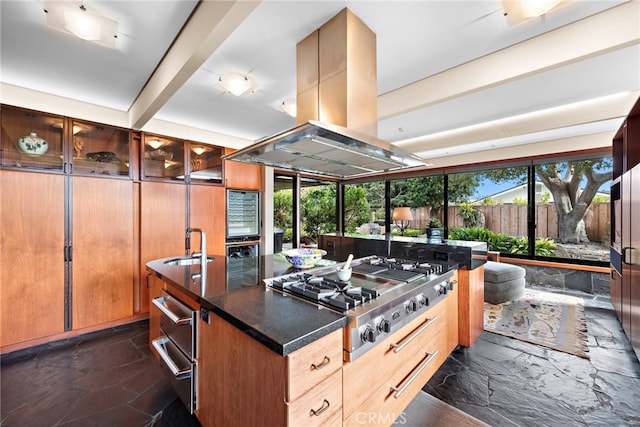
[506, 382]
[109, 378]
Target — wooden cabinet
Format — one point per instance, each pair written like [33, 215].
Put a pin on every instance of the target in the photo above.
[242, 382]
[103, 222]
[629, 285]
[394, 372]
[32, 295]
[625, 243]
[242, 176]
[18, 123]
[162, 225]
[471, 305]
[207, 206]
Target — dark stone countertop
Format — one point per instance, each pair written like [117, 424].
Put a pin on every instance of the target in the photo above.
[234, 290]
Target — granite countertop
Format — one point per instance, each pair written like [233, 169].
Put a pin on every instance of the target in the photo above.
[234, 290]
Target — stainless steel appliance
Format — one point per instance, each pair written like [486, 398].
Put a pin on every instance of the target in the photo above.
[177, 346]
[243, 215]
[382, 295]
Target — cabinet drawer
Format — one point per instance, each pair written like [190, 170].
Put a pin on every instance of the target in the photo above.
[320, 406]
[313, 363]
[399, 351]
[388, 401]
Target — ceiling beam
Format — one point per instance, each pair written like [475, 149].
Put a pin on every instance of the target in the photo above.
[565, 45]
[205, 31]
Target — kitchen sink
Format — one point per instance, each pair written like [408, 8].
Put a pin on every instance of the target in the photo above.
[186, 261]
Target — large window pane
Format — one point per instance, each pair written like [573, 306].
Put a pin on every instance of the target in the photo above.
[490, 206]
[425, 197]
[364, 208]
[572, 208]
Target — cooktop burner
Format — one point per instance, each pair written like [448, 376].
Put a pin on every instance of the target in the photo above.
[341, 295]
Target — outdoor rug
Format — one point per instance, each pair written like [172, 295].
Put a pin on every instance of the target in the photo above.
[545, 318]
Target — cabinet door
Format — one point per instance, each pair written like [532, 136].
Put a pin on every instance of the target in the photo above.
[32, 247]
[242, 176]
[162, 226]
[634, 259]
[103, 247]
[627, 252]
[208, 213]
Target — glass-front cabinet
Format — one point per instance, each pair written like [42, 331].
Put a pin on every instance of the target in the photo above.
[46, 142]
[99, 149]
[205, 163]
[32, 140]
[163, 158]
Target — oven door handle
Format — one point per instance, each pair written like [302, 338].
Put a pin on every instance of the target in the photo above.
[178, 373]
[421, 367]
[399, 346]
[175, 318]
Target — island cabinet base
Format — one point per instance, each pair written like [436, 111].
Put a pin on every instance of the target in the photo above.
[379, 385]
[242, 382]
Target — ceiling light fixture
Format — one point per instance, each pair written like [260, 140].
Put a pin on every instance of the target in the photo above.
[289, 107]
[236, 84]
[199, 150]
[84, 23]
[520, 10]
[155, 143]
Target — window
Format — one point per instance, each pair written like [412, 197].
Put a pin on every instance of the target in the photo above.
[425, 197]
[572, 209]
[364, 208]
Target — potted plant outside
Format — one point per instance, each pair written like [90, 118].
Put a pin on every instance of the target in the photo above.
[434, 231]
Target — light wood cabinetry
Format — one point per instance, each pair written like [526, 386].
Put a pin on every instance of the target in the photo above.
[206, 205]
[394, 372]
[471, 305]
[242, 176]
[163, 222]
[103, 221]
[32, 294]
[242, 382]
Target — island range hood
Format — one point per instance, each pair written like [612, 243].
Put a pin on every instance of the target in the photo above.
[329, 150]
[337, 112]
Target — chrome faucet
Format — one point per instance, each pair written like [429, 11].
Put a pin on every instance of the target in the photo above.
[203, 245]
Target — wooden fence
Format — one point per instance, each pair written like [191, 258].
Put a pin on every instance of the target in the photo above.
[512, 219]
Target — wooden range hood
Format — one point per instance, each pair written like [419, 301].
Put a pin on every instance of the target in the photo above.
[337, 109]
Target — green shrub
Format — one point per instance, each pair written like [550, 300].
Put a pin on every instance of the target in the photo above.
[501, 242]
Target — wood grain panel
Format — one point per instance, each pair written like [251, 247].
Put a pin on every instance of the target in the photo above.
[470, 305]
[325, 353]
[325, 399]
[381, 364]
[32, 247]
[240, 381]
[208, 207]
[103, 247]
[163, 224]
[382, 408]
[242, 176]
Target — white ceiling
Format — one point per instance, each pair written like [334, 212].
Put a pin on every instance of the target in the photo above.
[456, 81]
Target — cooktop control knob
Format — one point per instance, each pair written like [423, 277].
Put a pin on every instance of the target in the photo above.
[413, 302]
[383, 325]
[368, 334]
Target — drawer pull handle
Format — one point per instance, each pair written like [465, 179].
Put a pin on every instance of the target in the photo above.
[421, 367]
[175, 318]
[178, 373]
[322, 410]
[324, 363]
[399, 346]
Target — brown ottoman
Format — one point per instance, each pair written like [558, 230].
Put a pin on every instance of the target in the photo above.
[503, 282]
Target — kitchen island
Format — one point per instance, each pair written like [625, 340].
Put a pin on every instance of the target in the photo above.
[267, 358]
